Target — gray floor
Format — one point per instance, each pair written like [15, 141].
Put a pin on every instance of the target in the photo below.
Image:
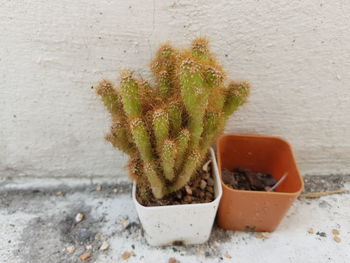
[37, 224]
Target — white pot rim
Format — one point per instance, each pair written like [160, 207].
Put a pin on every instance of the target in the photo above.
[218, 193]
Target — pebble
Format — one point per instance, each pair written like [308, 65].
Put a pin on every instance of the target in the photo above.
[203, 184]
[210, 181]
[85, 256]
[124, 222]
[201, 251]
[188, 190]
[322, 234]
[206, 166]
[311, 231]
[98, 188]
[115, 190]
[173, 260]
[335, 232]
[70, 249]
[127, 254]
[88, 247]
[207, 254]
[337, 239]
[58, 193]
[79, 217]
[104, 246]
[210, 189]
[226, 255]
[262, 235]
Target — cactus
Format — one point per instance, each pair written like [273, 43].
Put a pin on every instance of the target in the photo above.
[167, 128]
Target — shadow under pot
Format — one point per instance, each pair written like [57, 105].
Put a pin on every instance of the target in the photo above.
[252, 210]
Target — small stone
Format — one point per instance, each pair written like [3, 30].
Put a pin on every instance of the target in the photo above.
[210, 189]
[124, 222]
[127, 254]
[206, 166]
[98, 188]
[70, 249]
[85, 256]
[201, 251]
[173, 260]
[203, 184]
[207, 254]
[188, 190]
[104, 246]
[259, 235]
[210, 181]
[311, 231]
[337, 239]
[226, 255]
[115, 190]
[58, 193]
[79, 217]
[335, 232]
[321, 234]
[98, 236]
[88, 247]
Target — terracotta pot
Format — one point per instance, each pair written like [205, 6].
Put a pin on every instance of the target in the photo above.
[257, 210]
[188, 224]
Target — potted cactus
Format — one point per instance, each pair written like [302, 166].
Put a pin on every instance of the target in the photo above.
[167, 130]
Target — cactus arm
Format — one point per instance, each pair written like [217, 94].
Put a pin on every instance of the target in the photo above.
[163, 68]
[236, 95]
[160, 126]
[200, 50]
[156, 183]
[182, 141]
[168, 159]
[175, 117]
[130, 97]
[111, 99]
[119, 138]
[188, 170]
[195, 97]
[142, 140]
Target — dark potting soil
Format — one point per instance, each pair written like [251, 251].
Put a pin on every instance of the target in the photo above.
[199, 190]
[245, 179]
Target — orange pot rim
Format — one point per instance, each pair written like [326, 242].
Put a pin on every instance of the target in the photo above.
[262, 137]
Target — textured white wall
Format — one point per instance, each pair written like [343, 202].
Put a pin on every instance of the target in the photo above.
[296, 55]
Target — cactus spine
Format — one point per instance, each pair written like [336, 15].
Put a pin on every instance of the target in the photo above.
[167, 128]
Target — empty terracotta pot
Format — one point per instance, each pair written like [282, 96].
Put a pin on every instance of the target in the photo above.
[257, 210]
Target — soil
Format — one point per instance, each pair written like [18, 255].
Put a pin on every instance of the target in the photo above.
[245, 179]
[199, 190]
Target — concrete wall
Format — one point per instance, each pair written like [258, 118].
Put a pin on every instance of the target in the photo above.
[296, 55]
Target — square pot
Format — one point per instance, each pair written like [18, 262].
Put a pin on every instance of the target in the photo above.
[257, 210]
[188, 224]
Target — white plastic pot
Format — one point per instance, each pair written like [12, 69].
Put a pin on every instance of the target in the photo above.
[188, 224]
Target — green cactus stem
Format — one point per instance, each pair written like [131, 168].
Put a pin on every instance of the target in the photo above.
[182, 142]
[168, 156]
[187, 171]
[130, 96]
[111, 99]
[156, 183]
[163, 68]
[119, 138]
[160, 126]
[236, 95]
[195, 97]
[175, 117]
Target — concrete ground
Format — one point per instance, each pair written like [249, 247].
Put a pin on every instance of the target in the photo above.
[37, 224]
